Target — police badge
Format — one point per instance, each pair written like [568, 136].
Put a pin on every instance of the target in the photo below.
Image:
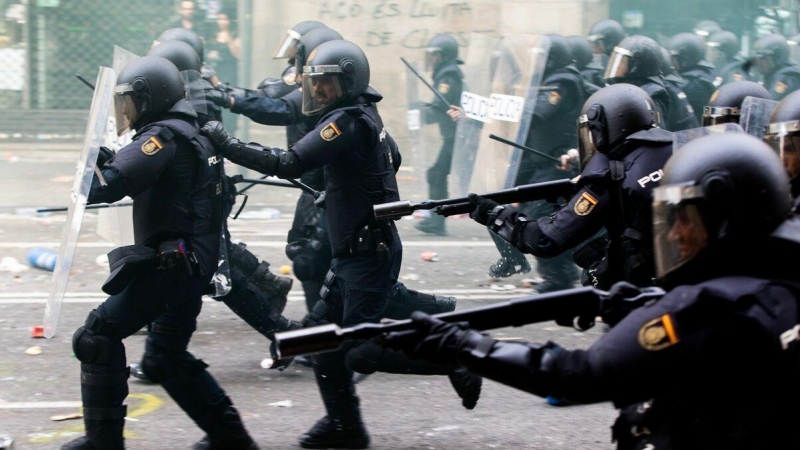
[584, 205]
[151, 146]
[330, 132]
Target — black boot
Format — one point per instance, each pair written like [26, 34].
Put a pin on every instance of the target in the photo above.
[102, 393]
[284, 324]
[467, 385]
[404, 301]
[432, 225]
[227, 428]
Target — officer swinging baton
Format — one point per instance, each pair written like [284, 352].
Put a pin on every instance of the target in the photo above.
[548, 190]
[522, 147]
[570, 307]
[438, 94]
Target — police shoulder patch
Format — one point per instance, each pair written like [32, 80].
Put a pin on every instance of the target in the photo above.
[554, 98]
[329, 132]
[780, 87]
[716, 93]
[658, 334]
[738, 77]
[444, 88]
[152, 146]
[585, 204]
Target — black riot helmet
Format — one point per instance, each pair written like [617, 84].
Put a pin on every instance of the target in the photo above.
[783, 135]
[441, 49]
[605, 35]
[726, 102]
[687, 50]
[559, 55]
[184, 35]
[722, 46]
[146, 88]
[666, 63]
[286, 46]
[179, 53]
[771, 52]
[612, 114]
[635, 58]
[581, 50]
[794, 48]
[717, 191]
[335, 74]
[311, 40]
[705, 28]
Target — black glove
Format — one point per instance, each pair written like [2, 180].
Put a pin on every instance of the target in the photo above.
[217, 134]
[619, 296]
[432, 339]
[483, 207]
[104, 155]
[219, 98]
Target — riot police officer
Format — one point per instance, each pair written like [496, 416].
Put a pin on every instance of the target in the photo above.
[623, 152]
[725, 105]
[604, 36]
[781, 75]
[706, 28]
[552, 131]
[360, 160]
[783, 135]
[441, 56]
[160, 280]
[723, 52]
[591, 70]
[732, 314]
[688, 51]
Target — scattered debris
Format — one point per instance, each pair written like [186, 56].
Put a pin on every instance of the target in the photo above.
[35, 350]
[430, 256]
[286, 269]
[505, 287]
[66, 417]
[410, 277]
[283, 404]
[6, 442]
[9, 264]
[37, 331]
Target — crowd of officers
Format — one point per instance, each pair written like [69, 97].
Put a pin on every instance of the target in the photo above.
[706, 222]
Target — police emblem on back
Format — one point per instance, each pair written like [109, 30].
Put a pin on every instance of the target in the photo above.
[151, 146]
[330, 132]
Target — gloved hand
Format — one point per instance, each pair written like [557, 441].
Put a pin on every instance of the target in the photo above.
[104, 155]
[216, 133]
[619, 294]
[431, 339]
[219, 97]
[483, 207]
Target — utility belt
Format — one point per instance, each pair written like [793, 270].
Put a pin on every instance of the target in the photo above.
[371, 240]
[172, 260]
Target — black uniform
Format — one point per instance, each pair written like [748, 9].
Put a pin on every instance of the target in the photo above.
[698, 86]
[613, 195]
[783, 81]
[731, 71]
[681, 115]
[176, 196]
[449, 81]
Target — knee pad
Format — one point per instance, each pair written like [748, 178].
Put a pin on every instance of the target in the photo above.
[91, 348]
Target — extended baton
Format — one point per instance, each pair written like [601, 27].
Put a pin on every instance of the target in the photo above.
[522, 147]
[64, 208]
[438, 94]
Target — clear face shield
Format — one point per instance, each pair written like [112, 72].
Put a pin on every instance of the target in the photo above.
[716, 115]
[586, 147]
[617, 67]
[784, 138]
[433, 55]
[679, 232]
[286, 47]
[322, 86]
[125, 111]
[714, 54]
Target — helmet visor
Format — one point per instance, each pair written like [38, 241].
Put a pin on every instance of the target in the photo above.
[433, 55]
[679, 232]
[714, 53]
[618, 63]
[286, 47]
[716, 115]
[784, 138]
[125, 111]
[586, 147]
[322, 87]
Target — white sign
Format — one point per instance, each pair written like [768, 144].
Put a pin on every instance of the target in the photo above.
[475, 106]
[507, 107]
[414, 119]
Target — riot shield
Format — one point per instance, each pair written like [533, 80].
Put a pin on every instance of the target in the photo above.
[95, 131]
[115, 224]
[755, 114]
[424, 137]
[681, 138]
[503, 78]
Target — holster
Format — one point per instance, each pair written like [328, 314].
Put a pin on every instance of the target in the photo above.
[373, 239]
[125, 264]
[175, 260]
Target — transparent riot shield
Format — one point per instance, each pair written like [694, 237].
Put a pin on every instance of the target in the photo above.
[503, 78]
[424, 137]
[681, 138]
[755, 114]
[115, 223]
[95, 131]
